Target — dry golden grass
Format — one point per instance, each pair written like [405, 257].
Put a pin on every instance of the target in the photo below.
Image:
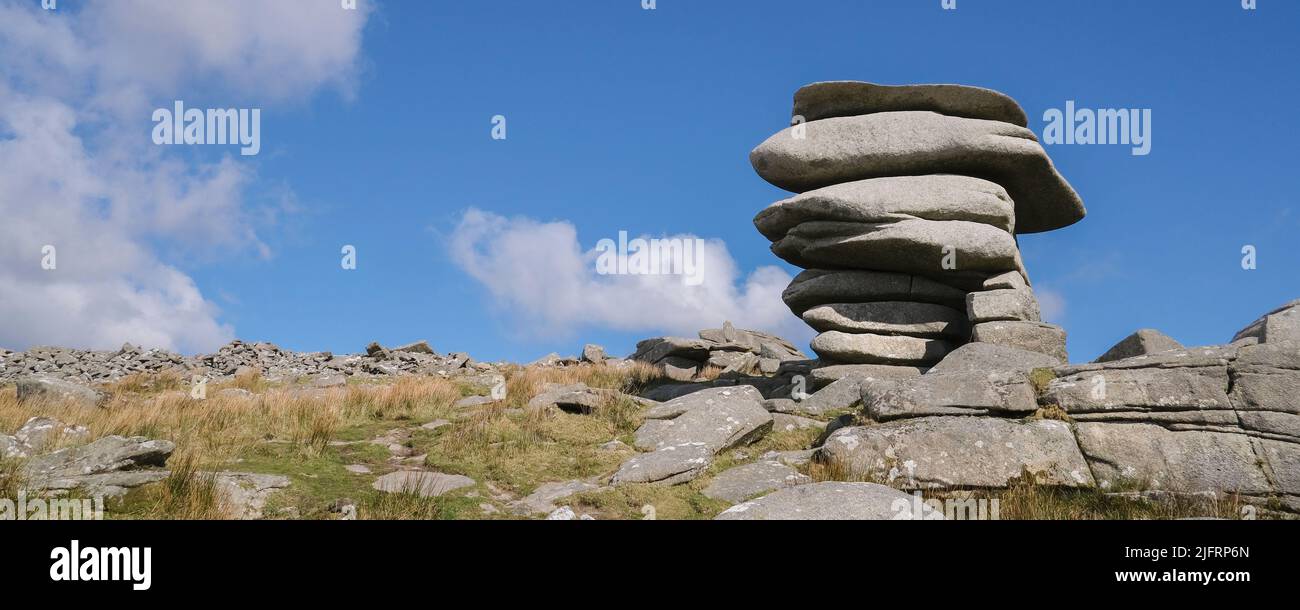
[288, 429]
[186, 493]
[219, 427]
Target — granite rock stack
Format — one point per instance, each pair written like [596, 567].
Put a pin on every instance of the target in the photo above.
[909, 202]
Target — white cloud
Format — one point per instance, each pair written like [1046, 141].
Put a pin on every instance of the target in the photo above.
[1051, 304]
[542, 278]
[77, 171]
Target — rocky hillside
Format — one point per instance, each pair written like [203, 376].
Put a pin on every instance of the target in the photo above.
[933, 375]
[1152, 428]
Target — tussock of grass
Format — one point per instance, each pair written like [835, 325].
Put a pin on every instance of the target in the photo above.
[12, 479]
[186, 493]
[679, 502]
[1039, 378]
[1026, 501]
[1051, 412]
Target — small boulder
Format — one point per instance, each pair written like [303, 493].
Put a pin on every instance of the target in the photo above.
[1140, 343]
[424, 484]
[43, 388]
[594, 354]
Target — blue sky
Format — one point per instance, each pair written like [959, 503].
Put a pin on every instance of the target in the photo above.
[626, 119]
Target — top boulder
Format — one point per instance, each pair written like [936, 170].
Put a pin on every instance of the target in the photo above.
[851, 98]
[909, 143]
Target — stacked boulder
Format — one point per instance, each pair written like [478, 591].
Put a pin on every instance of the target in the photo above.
[733, 350]
[911, 198]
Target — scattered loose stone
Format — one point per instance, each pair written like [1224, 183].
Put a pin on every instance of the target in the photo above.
[424, 484]
[543, 499]
[246, 493]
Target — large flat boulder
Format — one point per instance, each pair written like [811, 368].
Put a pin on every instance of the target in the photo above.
[975, 393]
[1146, 390]
[422, 483]
[991, 357]
[934, 197]
[719, 418]
[830, 501]
[845, 149]
[815, 287]
[1150, 457]
[45, 388]
[743, 482]
[942, 452]
[668, 465]
[825, 375]
[890, 318]
[108, 454]
[828, 99]
[907, 245]
[847, 348]
[655, 349]
[683, 435]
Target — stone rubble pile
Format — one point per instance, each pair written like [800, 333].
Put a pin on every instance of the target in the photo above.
[267, 359]
[735, 351]
[910, 200]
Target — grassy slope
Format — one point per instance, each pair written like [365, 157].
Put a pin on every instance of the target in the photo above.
[309, 436]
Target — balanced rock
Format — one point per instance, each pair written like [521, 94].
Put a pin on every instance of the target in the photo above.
[910, 200]
[844, 149]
